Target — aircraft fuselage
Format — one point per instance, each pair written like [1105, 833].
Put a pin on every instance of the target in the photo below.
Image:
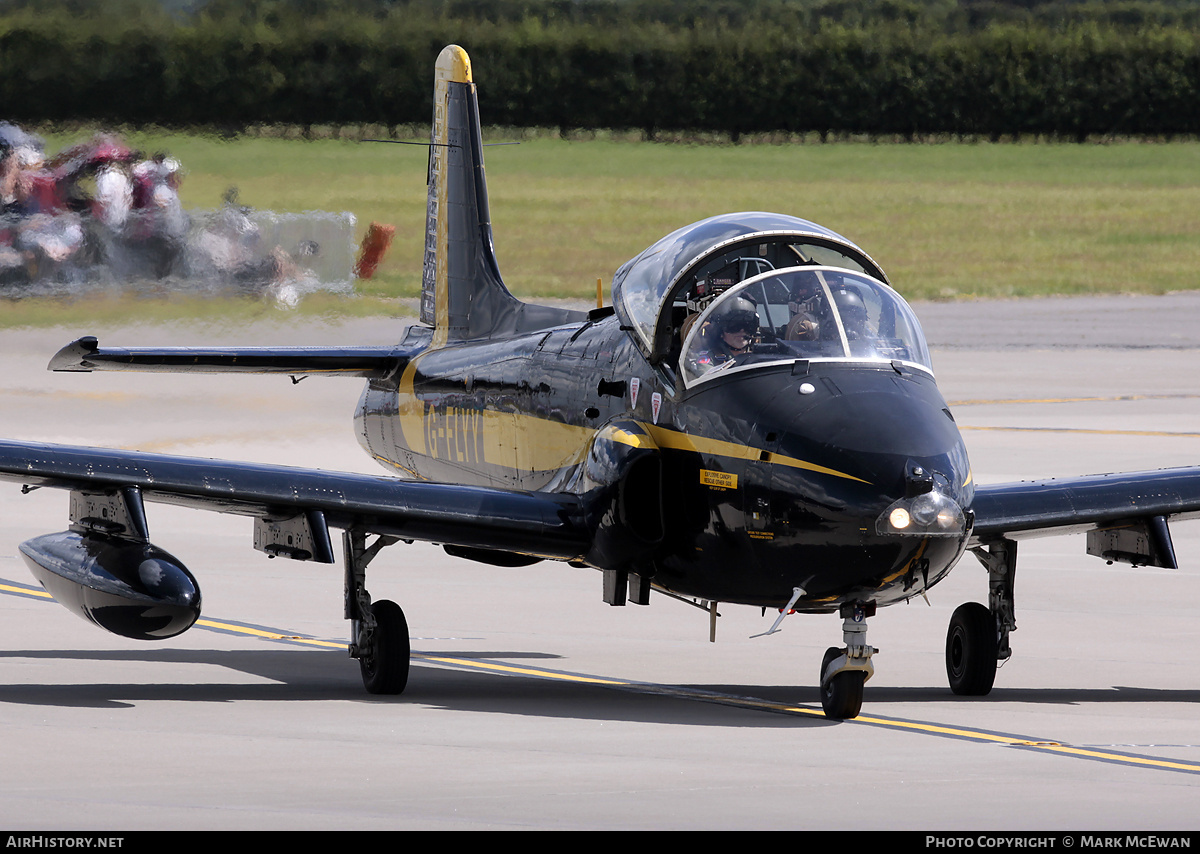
[769, 480]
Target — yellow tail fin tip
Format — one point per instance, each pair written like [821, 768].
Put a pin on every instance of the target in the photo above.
[454, 65]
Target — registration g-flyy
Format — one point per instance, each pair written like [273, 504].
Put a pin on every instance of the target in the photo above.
[754, 420]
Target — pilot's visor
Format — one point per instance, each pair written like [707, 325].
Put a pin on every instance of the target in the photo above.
[933, 514]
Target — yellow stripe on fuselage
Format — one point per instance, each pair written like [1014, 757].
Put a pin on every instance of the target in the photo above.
[526, 443]
[468, 436]
[718, 448]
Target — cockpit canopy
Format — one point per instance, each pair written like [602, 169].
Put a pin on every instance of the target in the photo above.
[681, 274]
[811, 313]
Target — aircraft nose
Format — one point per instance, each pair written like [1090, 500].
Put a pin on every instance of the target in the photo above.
[891, 432]
[883, 420]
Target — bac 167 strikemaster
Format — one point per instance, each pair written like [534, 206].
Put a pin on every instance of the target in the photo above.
[754, 420]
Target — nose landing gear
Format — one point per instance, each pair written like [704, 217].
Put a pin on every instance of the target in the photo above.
[845, 670]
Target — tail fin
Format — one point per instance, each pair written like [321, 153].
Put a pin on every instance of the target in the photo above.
[462, 294]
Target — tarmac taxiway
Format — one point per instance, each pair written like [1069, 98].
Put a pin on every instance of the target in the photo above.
[532, 704]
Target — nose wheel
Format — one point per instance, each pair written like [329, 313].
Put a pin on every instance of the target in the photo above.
[842, 694]
[845, 670]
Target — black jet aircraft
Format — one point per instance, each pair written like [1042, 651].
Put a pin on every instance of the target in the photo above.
[754, 420]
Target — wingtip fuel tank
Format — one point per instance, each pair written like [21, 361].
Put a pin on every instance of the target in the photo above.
[132, 589]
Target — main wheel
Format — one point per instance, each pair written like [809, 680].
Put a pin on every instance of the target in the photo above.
[842, 696]
[971, 650]
[385, 666]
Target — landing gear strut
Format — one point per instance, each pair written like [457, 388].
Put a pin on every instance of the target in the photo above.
[844, 670]
[378, 631]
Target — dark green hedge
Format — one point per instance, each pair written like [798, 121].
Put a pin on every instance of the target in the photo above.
[893, 78]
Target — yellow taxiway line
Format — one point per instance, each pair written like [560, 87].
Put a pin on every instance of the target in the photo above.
[942, 730]
[679, 692]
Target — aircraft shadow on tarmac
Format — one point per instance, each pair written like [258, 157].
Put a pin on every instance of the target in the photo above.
[320, 675]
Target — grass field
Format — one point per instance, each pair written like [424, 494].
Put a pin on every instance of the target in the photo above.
[945, 221]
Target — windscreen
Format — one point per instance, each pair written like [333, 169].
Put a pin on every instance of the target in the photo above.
[650, 291]
[801, 313]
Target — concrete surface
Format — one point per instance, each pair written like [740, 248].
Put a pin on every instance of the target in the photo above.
[1092, 724]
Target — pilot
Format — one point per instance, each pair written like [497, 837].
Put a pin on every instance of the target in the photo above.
[729, 333]
[853, 311]
[807, 307]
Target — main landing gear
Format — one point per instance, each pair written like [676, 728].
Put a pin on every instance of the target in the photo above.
[378, 630]
[383, 649]
[844, 670]
[971, 650]
[978, 635]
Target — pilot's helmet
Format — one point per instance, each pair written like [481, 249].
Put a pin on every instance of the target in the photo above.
[803, 286]
[851, 307]
[738, 315]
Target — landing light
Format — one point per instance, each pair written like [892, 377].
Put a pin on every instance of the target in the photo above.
[933, 514]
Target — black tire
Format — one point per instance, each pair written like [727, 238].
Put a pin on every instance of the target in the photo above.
[385, 667]
[971, 650]
[842, 697]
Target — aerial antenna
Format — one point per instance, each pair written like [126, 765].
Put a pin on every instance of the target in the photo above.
[797, 592]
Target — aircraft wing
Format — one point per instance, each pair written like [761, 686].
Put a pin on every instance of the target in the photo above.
[541, 524]
[1136, 502]
[85, 355]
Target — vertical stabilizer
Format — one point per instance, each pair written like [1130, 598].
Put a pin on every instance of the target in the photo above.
[462, 294]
